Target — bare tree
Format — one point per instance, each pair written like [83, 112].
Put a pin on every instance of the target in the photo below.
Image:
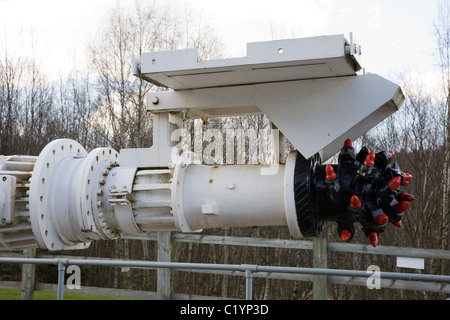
[36, 110]
[442, 34]
[26, 101]
[11, 71]
[134, 31]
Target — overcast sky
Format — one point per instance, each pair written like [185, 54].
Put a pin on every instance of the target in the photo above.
[395, 34]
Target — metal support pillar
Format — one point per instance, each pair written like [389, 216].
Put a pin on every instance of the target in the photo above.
[320, 261]
[61, 271]
[248, 284]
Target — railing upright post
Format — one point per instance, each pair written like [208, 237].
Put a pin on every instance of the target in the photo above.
[320, 261]
[163, 274]
[248, 284]
[61, 271]
[28, 276]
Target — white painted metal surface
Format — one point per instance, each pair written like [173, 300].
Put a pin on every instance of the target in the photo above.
[269, 61]
[63, 193]
[309, 88]
[160, 153]
[315, 115]
[289, 196]
[15, 228]
[77, 197]
[226, 196]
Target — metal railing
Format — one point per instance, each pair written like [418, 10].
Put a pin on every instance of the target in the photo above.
[248, 270]
[319, 274]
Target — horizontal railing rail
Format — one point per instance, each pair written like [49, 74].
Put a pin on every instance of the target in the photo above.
[304, 245]
[392, 280]
[246, 268]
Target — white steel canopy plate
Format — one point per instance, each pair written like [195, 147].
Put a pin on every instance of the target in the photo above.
[269, 61]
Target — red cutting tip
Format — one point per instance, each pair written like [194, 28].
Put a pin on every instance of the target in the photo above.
[345, 235]
[329, 173]
[407, 176]
[381, 219]
[348, 143]
[370, 160]
[402, 206]
[392, 153]
[397, 224]
[373, 238]
[394, 183]
[407, 197]
[355, 203]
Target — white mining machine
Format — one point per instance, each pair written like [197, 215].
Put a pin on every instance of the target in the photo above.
[314, 93]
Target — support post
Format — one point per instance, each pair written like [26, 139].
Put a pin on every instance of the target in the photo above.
[248, 284]
[28, 276]
[61, 271]
[320, 261]
[163, 274]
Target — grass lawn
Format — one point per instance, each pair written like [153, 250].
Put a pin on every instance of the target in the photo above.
[11, 294]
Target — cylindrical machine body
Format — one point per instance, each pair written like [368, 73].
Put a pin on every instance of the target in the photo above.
[228, 196]
[76, 197]
[192, 197]
[61, 203]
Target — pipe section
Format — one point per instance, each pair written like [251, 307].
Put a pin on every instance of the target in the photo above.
[227, 196]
